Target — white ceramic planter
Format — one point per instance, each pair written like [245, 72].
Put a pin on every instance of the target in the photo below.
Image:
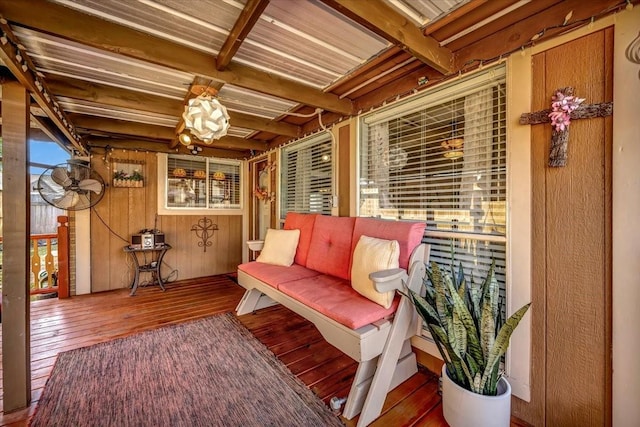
[462, 408]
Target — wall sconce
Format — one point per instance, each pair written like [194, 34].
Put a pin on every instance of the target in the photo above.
[184, 139]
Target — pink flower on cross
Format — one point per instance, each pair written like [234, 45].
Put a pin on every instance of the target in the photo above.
[561, 107]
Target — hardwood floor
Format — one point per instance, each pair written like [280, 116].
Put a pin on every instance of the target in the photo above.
[61, 325]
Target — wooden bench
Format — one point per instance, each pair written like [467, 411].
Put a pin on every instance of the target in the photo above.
[317, 287]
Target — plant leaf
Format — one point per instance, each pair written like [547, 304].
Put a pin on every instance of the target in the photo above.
[502, 341]
[425, 309]
[489, 307]
[460, 310]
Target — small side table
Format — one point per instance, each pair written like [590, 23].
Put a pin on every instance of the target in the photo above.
[151, 263]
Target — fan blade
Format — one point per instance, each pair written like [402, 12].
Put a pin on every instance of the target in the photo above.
[90, 184]
[61, 177]
[69, 200]
[83, 203]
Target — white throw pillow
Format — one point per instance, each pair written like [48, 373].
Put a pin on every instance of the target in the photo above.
[279, 247]
[370, 255]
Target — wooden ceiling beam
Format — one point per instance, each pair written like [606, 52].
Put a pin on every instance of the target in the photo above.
[20, 65]
[160, 147]
[453, 16]
[520, 33]
[125, 98]
[385, 21]
[113, 96]
[48, 128]
[234, 143]
[244, 24]
[92, 31]
[154, 132]
[36, 134]
[122, 127]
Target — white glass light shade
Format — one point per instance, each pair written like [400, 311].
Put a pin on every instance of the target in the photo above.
[206, 118]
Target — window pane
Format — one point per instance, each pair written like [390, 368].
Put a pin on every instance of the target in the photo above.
[224, 185]
[200, 182]
[441, 159]
[307, 179]
[186, 182]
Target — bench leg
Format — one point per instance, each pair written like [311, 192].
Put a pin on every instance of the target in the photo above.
[253, 300]
[361, 387]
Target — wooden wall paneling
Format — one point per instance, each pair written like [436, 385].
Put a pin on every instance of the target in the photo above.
[571, 293]
[220, 253]
[128, 210]
[100, 235]
[608, 231]
[118, 220]
[344, 167]
[575, 240]
[167, 223]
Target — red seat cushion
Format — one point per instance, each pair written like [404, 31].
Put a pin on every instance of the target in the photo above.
[304, 223]
[335, 298]
[275, 275]
[408, 234]
[330, 250]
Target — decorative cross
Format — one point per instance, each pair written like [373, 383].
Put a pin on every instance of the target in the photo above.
[204, 230]
[560, 135]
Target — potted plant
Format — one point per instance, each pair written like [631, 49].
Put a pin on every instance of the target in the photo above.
[465, 323]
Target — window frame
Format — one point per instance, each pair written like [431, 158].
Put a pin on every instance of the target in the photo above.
[163, 177]
[518, 215]
[316, 139]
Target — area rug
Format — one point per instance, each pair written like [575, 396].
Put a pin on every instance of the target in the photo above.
[209, 372]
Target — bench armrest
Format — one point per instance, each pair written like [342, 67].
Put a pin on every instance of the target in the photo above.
[389, 280]
[255, 245]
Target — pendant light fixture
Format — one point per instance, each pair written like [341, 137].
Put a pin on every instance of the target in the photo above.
[204, 116]
[453, 147]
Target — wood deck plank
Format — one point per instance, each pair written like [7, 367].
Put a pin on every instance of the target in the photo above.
[61, 325]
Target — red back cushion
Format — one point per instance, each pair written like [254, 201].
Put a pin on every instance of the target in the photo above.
[304, 223]
[330, 250]
[407, 233]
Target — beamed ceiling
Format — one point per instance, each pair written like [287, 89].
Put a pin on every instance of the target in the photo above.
[117, 73]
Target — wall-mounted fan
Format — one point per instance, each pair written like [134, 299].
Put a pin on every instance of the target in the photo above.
[72, 186]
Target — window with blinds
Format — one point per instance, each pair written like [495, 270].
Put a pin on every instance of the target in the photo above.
[441, 158]
[307, 176]
[203, 183]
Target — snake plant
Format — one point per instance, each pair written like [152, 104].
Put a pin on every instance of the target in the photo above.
[465, 322]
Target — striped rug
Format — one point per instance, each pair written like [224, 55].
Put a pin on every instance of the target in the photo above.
[209, 372]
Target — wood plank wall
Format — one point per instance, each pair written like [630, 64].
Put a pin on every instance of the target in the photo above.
[126, 211]
[571, 295]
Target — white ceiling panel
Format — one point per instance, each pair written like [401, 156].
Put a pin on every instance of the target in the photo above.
[308, 42]
[422, 12]
[251, 102]
[61, 57]
[201, 24]
[118, 113]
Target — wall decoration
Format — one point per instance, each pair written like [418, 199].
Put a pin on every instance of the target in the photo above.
[127, 173]
[204, 231]
[564, 108]
[633, 51]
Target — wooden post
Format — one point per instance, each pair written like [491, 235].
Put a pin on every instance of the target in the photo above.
[63, 256]
[16, 353]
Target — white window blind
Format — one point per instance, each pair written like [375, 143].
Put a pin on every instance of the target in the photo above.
[441, 158]
[307, 176]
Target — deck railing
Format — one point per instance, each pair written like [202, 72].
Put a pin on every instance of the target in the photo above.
[49, 258]
[50, 271]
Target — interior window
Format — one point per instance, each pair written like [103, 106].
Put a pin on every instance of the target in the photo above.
[441, 158]
[307, 176]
